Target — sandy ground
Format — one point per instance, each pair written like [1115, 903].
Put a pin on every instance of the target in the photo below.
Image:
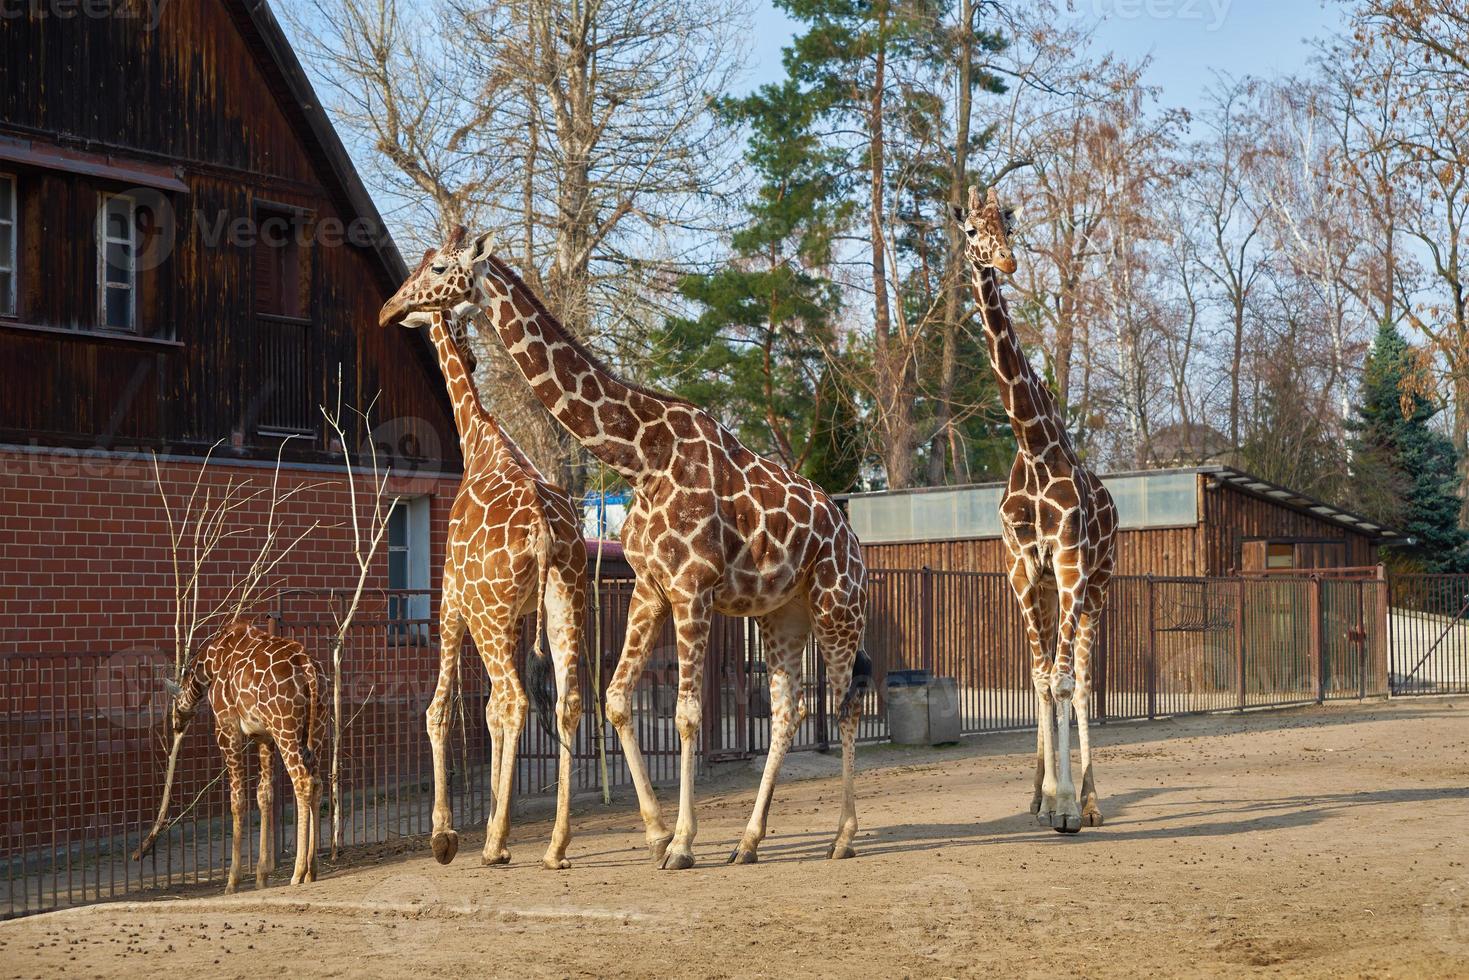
[1323, 841]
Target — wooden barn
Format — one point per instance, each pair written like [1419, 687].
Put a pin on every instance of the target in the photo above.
[1195, 521]
[187, 260]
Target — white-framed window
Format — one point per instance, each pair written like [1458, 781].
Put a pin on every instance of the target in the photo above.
[117, 274]
[9, 246]
[408, 560]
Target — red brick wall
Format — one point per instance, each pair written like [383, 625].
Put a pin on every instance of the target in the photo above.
[84, 543]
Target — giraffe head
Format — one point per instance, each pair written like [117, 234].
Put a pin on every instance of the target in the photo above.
[443, 281]
[987, 228]
[458, 326]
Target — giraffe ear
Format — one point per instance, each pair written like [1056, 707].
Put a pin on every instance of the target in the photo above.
[171, 686]
[483, 247]
[959, 214]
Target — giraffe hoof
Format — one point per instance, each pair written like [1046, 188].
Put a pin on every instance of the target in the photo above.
[231, 887]
[677, 860]
[743, 855]
[445, 845]
[1046, 818]
[552, 863]
[1035, 804]
[1091, 818]
[501, 856]
[1066, 823]
[658, 848]
[835, 853]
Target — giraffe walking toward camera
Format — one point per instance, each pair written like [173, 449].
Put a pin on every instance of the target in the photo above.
[713, 527]
[1058, 523]
[514, 547]
[264, 690]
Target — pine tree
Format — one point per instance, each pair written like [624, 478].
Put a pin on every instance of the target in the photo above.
[1406, 470]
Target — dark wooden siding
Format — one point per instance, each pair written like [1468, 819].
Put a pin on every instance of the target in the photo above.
[200, 95]
[1231, 517]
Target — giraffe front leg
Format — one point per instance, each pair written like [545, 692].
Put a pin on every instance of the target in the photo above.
[1091, 812]
[265, 799]
[691, 618]
[1067, 818]
[645, 614]
[445, 840]
[232, 747]
[1040, 764]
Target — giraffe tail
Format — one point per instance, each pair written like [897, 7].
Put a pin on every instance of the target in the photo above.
[540, 674]
[861, 679]
[312, 741]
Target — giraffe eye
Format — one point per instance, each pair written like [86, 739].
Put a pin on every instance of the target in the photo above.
[440, 268]
[969, 230]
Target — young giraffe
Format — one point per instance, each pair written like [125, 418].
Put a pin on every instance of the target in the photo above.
[1058, 524]
[514, 546]
[262, 689]
[713, 527]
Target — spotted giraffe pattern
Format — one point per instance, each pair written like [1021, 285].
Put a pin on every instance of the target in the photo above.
[514, 547]
[713, 527]
[1059, 526]
[264, 690]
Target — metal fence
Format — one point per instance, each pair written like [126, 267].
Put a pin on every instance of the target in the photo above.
[1429, 619]
[82, 735]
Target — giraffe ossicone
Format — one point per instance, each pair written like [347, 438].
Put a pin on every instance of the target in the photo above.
[713, 527]
[1059, 526]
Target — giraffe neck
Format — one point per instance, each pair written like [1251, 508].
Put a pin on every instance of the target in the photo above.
[469, 413]
[604, 413]
[1034, 417]
[196, 681]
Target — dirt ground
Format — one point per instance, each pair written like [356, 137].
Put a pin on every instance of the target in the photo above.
[1322, 841]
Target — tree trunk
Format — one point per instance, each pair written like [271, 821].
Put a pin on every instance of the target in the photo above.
[956, 266]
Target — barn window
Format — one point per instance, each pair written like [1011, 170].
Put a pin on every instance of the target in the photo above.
[281, 267]
[117, 243]
[1280, 554]
[8, 244]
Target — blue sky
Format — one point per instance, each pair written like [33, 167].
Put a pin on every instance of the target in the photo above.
[1186, 38]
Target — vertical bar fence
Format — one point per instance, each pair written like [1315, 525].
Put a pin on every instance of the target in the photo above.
[82, 736]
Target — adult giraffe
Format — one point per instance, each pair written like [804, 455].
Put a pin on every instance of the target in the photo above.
[514, 547]
[713, 527]
[1058, 524]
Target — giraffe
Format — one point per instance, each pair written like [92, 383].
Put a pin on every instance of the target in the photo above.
[1059, 525]
[713, 527]
[514, 546]
[262, 689]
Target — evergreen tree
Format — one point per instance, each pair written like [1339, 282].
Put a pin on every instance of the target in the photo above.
[1406, 468]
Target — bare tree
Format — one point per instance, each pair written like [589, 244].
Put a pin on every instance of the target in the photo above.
[370, 514]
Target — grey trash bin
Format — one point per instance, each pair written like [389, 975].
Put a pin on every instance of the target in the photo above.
[922, 709]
